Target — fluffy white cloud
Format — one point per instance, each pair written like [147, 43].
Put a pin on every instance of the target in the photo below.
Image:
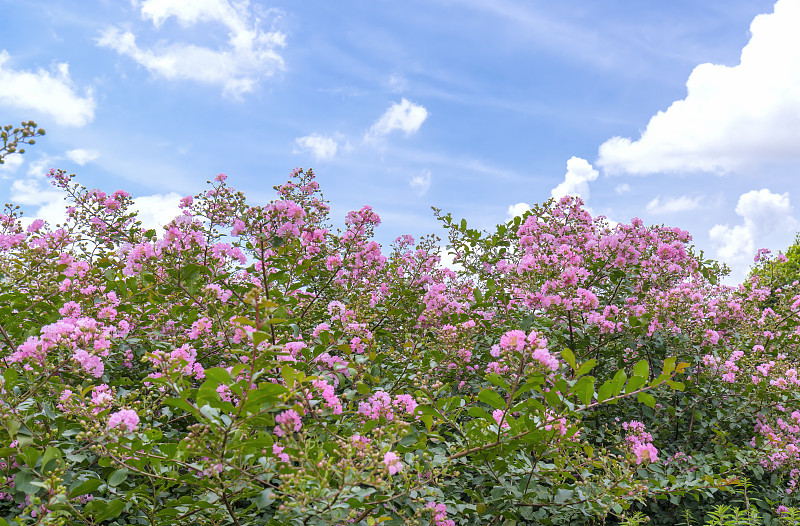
[404, 115]
[767, 217]
[251, 53]
[11, 164]
[731, 116]
[49, 92]
[157, 210]
[671, 205]
[323, 148]
[421, 183]
[623, 188]
[446, 259]
[35, 192]
[81, 156]
[517, 210]
[576, 181]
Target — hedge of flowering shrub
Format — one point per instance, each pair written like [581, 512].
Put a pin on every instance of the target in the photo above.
[250, 365]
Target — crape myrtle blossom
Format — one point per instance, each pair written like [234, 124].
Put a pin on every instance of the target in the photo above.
[381, 404]
[392, 463]
[515, 345]
[195, 361]
[640, 442]
[87, 339]
[124, 418]
[439, 514]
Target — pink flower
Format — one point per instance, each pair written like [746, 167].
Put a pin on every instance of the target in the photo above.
[287, 421]
[36, 225]
[498, 416]
[277, 450]
[126, 417]
[393, 463]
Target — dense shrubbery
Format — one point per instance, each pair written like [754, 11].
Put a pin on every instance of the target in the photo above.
[248, 365]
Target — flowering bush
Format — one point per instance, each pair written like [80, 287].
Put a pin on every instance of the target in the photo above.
[249, 365]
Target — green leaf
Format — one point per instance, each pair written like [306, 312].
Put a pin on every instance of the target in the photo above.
[180, 403]
[31, 456]
[87, 486]
[111, 510]
[498, 380]
[479, 412]
[635, 383]
[428, 421]
[568, 356]
[584, 388]
[678, 386]
[642, 368]
[669, 365]
[23, 481]
[10, 376]
[118, 477]
[487, 396]
[646, 399]
[259, 337]
[219, 375]
[51, 453]
[619, 381]
[606, 391]
[586, 367]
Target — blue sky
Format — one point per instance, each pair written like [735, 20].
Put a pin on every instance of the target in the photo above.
[685, 113]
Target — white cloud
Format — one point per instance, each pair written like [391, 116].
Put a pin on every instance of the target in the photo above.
[404, 115]
[49, 92]
[446, 259]
[81, 156]
[34, 192]
[11, 164]
[155, 211]
[671, 205]
[767, 218]
[421, 183]
[251, 53]
[323, 148]
[517, 210]
[623, 188]
[731, 116]
[576, 181]
[398, 83]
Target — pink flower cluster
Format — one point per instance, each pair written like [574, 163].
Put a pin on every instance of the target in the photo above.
[381, 405]
[288, 421]
[393, 463]
[127, 418]
[530, 346]
[439, 514]
[640, 442]
[86, 338]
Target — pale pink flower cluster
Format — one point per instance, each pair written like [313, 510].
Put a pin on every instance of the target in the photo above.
[126, 418]
[381, 405]
[392, 463]
[85, 337]
[439, 514]
[328, 394]
[640, 442]
[288, 421]
[516, 341]
[277, 450]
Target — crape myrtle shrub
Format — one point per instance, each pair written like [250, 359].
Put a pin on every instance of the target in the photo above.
[250, 365]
